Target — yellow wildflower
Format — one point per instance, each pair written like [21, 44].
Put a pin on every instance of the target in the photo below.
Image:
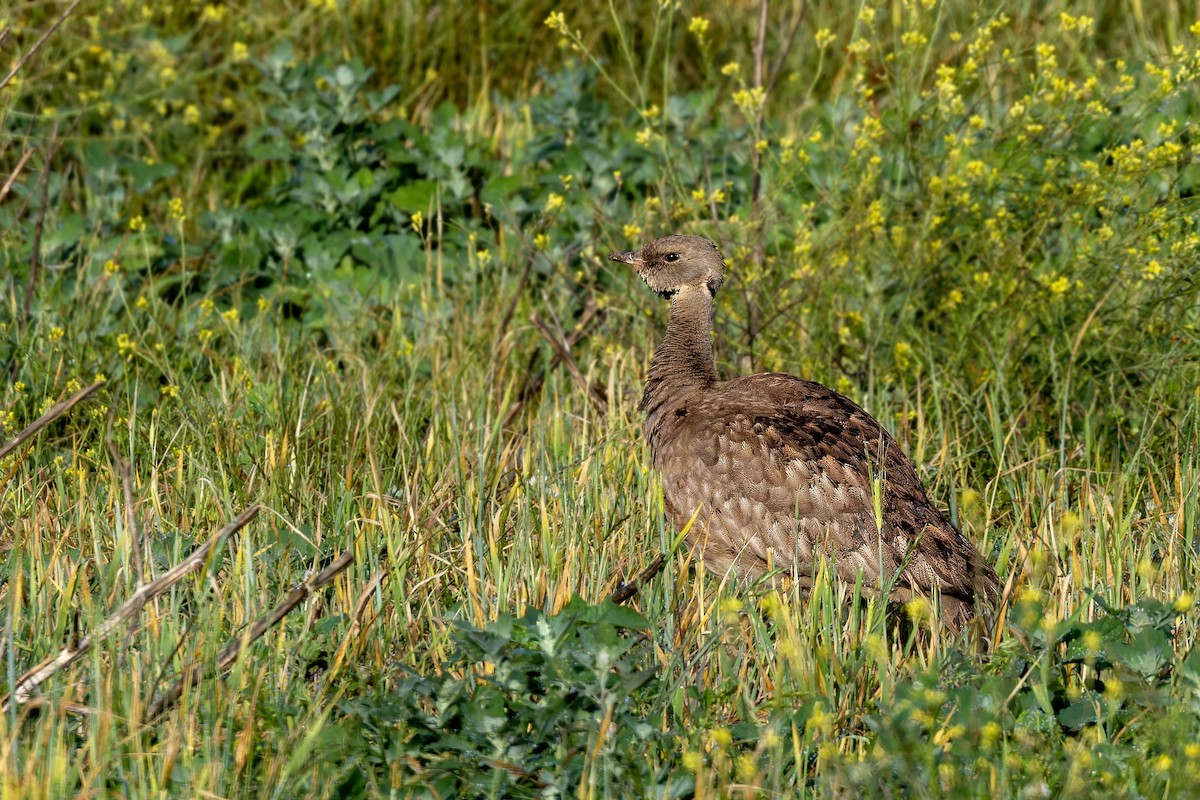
[858, 47]
[1046, 58]
[749, 100]
[556, 22]
[126, 346]
[212, 13]
[721, 737]
[1082, 24]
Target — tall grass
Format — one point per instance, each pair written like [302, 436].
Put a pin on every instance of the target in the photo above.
[979, 224]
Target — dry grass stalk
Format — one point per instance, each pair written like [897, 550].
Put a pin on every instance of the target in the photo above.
[27, 684]
[54, 413]
[230, 652]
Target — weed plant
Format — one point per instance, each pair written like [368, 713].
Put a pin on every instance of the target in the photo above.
[316, 253]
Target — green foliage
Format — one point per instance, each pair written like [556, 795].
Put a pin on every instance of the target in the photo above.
[546, 704]
[312, 251]
[529, 707]
[1054, 708]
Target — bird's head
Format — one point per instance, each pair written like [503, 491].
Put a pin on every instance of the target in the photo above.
[674, 263]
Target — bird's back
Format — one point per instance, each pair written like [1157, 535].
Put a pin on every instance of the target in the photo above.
[785, 471]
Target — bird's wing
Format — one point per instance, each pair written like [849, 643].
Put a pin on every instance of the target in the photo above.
[793, 467]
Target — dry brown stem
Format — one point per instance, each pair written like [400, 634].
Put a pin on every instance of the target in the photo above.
[54, 413]
[230, 652]
[27, 684]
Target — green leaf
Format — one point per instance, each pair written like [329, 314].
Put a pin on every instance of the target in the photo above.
[97, 157]
[69, 232]
[500, 188]
[1102, 633]
[1147, 653]
[1036, 720]
[1087, 709]
[452, 156]
[418, 195]
[146, 175]
[270, 150]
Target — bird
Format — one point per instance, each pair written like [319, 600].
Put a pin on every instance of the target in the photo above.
[771, 474]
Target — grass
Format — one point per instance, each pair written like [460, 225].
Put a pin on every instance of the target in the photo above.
[312, 272]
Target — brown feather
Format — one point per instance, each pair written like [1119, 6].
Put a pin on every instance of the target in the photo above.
[783, 471]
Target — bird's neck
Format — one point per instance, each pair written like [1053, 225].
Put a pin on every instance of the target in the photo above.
[684, 360]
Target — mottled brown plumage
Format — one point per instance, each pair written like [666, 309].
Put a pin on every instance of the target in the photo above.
[778, 470]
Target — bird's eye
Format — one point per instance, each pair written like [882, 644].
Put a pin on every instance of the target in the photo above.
[672, 256]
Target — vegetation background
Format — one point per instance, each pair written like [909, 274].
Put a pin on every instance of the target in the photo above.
[343, 259]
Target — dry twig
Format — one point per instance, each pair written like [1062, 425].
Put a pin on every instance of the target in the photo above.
[54, 413]
[12, 73]
[781, 59]
[360, 610]
[766, 82]
[230, 652]
[36, 254]
[16, 172]
[627, 590]
[27, 684]
[533, 382]
[562, 350]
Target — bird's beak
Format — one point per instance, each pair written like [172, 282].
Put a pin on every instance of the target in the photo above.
[628, 257]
